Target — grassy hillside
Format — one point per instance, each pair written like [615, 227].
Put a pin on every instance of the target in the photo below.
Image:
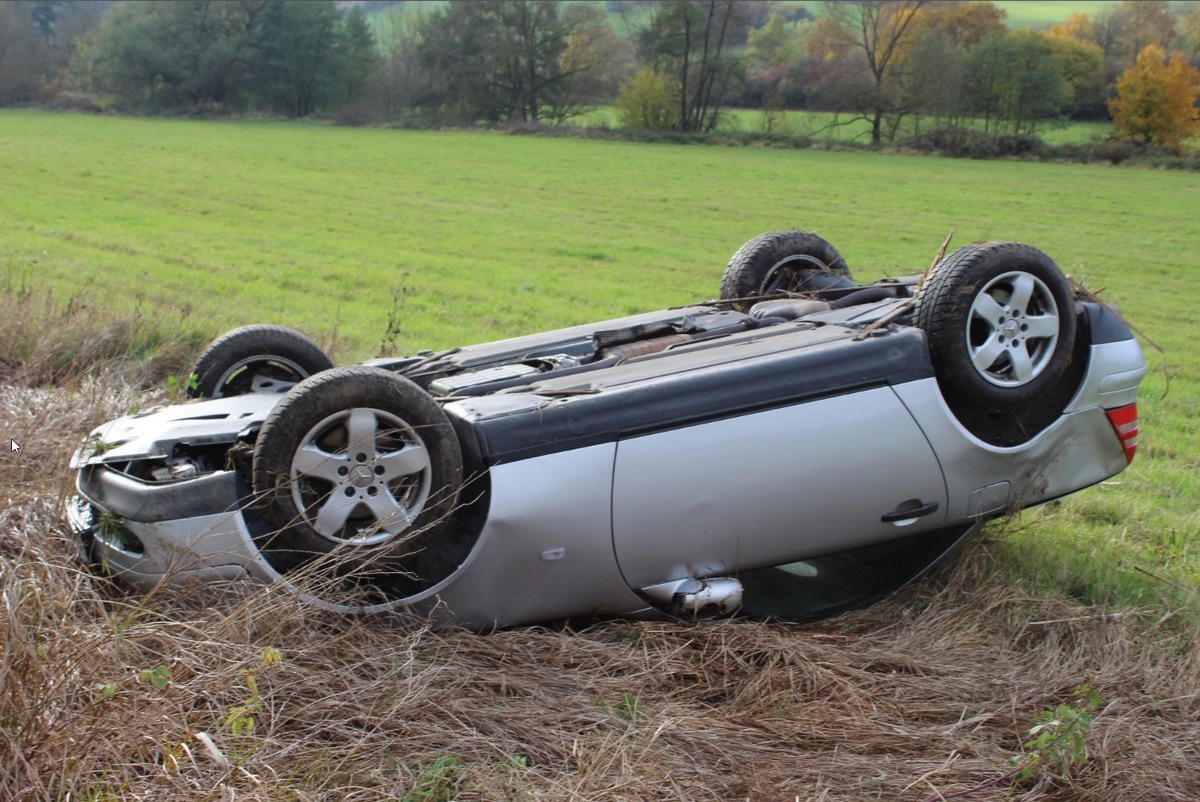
[1044, 13]
[485, 235]
[1021, 13]
[116, 230]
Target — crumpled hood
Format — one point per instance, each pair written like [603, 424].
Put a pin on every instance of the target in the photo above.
[155, 432]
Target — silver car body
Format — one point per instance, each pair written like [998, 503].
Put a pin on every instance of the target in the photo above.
[620, 491]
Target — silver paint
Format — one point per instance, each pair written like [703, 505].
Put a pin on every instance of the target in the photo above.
[769, 487]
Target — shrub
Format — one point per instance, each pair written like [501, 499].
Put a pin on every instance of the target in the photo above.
[87, 102]
[649, 101]
[352, 115]
[972, 143]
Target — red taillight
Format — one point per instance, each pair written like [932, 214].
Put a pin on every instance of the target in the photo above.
[1124, 420]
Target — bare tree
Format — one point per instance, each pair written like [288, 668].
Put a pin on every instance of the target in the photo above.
[877, 29]
[394, 83]
[693, 40]
[21, 54]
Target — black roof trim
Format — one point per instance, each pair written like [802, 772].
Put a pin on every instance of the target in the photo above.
[709, 387]
[1103, 323]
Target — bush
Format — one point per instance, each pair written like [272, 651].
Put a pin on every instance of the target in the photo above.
[972, 143]
[649, 101]
[1109, 150]
[87, 102]
[352, 115]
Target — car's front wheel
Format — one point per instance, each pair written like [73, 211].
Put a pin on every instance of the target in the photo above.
[357, 473]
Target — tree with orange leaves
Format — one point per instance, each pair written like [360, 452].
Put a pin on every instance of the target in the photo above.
[1156, 99]
[1078, 26]
[1122, 31]
[964, 24]
[827, 39]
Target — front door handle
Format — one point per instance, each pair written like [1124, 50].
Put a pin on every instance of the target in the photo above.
[909, 511]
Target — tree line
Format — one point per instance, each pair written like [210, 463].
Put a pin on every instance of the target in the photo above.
[207, 56]
[903, 66]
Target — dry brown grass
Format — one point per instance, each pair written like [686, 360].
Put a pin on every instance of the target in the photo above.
[921, 697]
[47, 340]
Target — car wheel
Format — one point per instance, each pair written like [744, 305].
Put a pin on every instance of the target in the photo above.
[357, 472]
[1000, 318]
[256, 359]
[782, 261]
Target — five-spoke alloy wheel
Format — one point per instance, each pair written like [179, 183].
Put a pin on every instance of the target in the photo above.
[1001, 321]
[360, 476]
[357, 471]
[1013, 329]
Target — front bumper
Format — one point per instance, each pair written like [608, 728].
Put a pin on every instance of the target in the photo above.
[144, 553]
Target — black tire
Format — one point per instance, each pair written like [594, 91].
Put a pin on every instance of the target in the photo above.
[357, 473]
[782, 261]
[1001, 323]
[258, 358]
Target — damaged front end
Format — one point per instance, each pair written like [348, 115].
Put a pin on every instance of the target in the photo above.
[161, 492]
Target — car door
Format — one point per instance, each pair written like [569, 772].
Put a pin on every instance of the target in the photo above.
[772, 486]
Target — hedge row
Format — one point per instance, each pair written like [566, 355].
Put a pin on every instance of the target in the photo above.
[963, 143]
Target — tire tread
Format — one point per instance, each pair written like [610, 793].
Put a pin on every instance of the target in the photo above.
[259, 339]
[746, 270]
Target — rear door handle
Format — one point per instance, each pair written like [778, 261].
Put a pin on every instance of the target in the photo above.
[910, 511]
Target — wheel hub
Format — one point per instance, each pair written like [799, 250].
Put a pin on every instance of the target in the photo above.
[361, 476]
[260, 374]
[1012, 329]
[783, 275]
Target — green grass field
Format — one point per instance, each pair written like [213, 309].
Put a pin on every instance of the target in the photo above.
[1044, 13]
[822, 126]
[463, 237]
[1020, 14]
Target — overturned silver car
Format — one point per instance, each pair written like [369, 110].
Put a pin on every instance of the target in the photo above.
[802, 433]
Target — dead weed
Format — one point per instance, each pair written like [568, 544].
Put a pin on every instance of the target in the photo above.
[240, 693]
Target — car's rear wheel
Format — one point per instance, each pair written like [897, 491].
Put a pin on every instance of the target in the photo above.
[1000, 318]
[781, 262]
[357, 473]
[256, 359]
